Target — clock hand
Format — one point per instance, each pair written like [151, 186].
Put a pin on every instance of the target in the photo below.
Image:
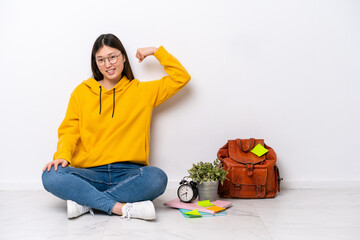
[184, 194]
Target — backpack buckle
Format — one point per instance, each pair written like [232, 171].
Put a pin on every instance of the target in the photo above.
[249, 168]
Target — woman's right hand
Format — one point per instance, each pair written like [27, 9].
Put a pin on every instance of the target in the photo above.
[56, 163]
[142, 53]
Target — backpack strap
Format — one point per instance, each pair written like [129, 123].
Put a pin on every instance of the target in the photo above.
[246, 144]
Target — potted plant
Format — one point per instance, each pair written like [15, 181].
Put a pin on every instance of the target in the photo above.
[208, 175]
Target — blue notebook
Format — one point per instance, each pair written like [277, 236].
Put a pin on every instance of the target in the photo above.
[203, 214]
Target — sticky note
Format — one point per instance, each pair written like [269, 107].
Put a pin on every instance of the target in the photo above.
[259, 150]
[205, 203]
[215, 208]
[193, 213]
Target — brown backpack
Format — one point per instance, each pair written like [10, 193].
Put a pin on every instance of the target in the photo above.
[249, 176]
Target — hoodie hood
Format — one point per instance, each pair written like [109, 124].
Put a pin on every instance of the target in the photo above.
[98, 89]
[95, 85]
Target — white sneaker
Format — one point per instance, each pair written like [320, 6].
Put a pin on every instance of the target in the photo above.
[74, 210]
[144, 210]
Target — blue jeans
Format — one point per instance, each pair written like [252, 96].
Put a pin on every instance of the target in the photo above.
[101, 187]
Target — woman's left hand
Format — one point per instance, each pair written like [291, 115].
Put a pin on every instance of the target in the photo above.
[142, 53]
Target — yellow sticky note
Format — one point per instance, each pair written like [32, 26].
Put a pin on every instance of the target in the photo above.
[215, 208]
[194, 212]
[259, 150]
[205, 203]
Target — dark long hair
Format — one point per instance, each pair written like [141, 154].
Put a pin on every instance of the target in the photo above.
[112, 41]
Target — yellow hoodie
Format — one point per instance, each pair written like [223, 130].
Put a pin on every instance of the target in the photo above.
[107, 126]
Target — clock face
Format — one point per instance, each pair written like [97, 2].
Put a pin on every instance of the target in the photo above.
[185, 193]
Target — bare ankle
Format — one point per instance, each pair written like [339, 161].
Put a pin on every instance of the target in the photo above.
[117, 208]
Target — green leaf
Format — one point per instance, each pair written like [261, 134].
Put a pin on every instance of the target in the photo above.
[206, 171]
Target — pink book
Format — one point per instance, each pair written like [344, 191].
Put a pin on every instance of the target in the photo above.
[176, 203]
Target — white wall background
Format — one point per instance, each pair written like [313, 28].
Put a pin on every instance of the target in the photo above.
[286, 71]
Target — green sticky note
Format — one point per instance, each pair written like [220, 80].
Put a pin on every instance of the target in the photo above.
[205, 203]
[259, 150]
[194, 213]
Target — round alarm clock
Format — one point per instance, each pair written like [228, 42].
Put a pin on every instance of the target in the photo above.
[187, 191]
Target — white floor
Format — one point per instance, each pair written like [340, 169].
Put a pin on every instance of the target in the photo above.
[294, 214]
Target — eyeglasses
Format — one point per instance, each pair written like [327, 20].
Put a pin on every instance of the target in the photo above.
[112, 59]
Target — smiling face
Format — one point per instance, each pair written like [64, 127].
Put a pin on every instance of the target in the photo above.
[110, 62]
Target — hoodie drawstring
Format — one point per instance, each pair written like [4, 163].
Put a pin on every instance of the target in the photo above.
[113, 102]
[100, 100]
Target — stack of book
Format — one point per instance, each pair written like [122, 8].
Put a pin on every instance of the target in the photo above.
[200, 208]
